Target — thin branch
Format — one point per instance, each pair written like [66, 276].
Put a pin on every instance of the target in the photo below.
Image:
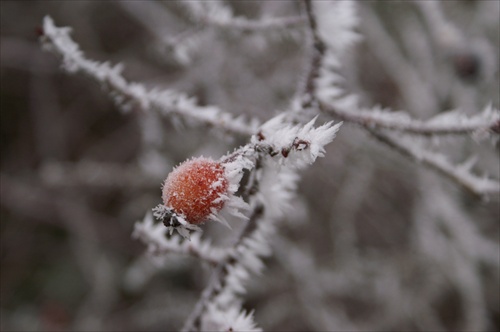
[480, 186]
[219, 16]
[219, 278]
[454, 123]
[246, 25]
[451, 123]
[131, 95]
[153, 234]
[318, 50]
[487, 121]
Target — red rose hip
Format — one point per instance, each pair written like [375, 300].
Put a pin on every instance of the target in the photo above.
[196, 189]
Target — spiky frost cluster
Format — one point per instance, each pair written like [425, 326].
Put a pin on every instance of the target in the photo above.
[231, 319]
[295, 146]
[224, 311]
[154, 235]
[338, 33]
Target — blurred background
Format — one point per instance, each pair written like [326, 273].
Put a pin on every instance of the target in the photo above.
[375, 241]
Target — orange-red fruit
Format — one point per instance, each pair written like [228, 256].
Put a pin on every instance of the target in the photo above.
[192, 188]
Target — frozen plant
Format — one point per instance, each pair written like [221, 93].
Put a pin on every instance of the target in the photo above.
[199, 188]
[254, 185]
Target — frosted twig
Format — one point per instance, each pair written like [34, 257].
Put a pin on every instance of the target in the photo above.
[153, 234]
[462, 175]
[217, 15]
[450, 123]
[134, 95]
[279, 143]
[329, 39]
[444, 124]
[318, 50]
[220, 280]
[294, 146]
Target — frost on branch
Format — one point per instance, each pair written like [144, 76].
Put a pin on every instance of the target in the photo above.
[231, 319]
[295, 146]
[332, 26]
[479, 185]
[448, 123]
[355, 191]
[338, 35]
[153, 234]
[202, 189]
[129, 95]
[276, 151]
[220, 306]
[222, 309]
[336, 22]
[214, 13]
[330, 100]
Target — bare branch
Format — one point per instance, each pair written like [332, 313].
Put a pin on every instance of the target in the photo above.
[134, 95]
[219, 16]
[219, 280]
[450, 123]
[447, 124]
[481, 186]
[153, 234]
[318, 50]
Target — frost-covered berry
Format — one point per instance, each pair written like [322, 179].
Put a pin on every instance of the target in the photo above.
[196, 189]
[202, 189]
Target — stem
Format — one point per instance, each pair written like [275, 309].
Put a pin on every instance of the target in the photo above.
[218, 280]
